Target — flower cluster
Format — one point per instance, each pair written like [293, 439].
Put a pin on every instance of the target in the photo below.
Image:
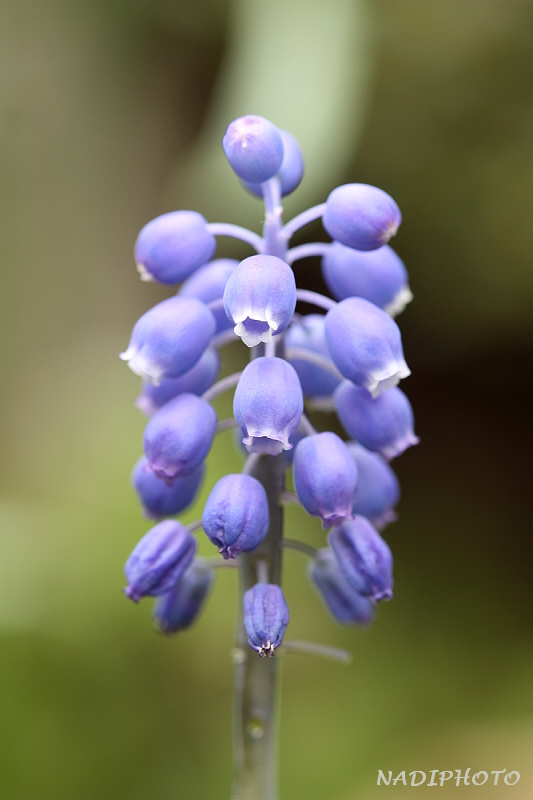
[347, 358]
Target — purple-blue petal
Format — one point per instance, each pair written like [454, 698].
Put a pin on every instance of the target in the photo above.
[325, 477]
[169, 339]
[180, 607]
[268, 405]
[170, 247]
[159, 560]
[196, 381]
[361, 216]
[382, 424]
[364, 558]
[161, 498]
[236, 516]
[379, 276]
[266, 616]
[345, 604]
[179, 436]
[260, 298]
[365, 344]
[208, 283]
[254, 148]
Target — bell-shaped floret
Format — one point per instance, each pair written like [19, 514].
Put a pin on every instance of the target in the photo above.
[208, 283]
[308, 333]
[254, 148]
[382, 424]
[160, 498]
[196, 381]
[378, 488]
[170, 247]
[364, 558]
[260, 298]
[159, 560]
[236, 515]
[325, 477]
[365, 345]
[292, 167]
[268, 405]
[180, 607]
[266, 616]
[169, 339]
[361, 216]
[179, 436]
[345, 604]
[378, 275]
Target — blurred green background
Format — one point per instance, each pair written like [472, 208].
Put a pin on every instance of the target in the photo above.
[112, 112]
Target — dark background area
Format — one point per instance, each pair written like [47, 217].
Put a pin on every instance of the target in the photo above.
[112, 113]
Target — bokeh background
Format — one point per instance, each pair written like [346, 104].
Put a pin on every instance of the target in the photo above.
[112, 112]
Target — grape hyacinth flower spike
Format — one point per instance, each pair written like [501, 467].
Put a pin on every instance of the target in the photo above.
[345, 357]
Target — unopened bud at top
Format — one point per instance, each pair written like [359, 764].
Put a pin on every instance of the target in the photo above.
[361, 216]
[170, 247]
[292, 167]
[254, 148]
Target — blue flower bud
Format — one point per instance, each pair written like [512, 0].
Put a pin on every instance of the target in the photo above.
[308, 333]
[292, 167]
[169, 339]
[268, 405]
[379, 276]
[382, 424]
[345, 604]
[364, 558]
[179, 436]
[208, 284]
[254, 148]
[366, 345]
[160, 498]
[260, 298]
[236, 515]
[378, 488]
[325, 477]
[361, 216]
[266, 616]
[180, 607]
[170, 247]
[196, 381]
[159, 560]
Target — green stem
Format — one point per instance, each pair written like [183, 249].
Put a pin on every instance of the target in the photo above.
[256, 679]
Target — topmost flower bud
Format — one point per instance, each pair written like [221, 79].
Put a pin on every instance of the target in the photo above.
[171, 247]
[360, 216]
[292, 167]
[254, 148]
